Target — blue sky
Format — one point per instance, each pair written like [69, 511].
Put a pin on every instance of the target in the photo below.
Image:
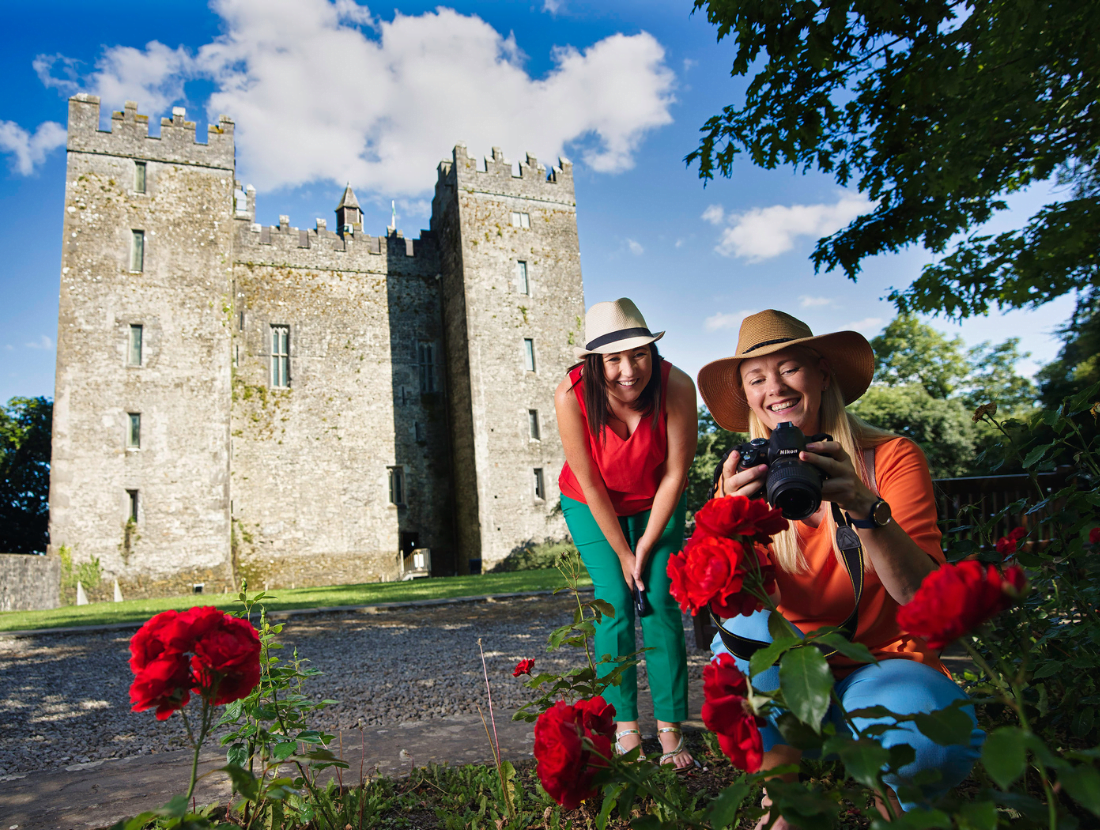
[327, 91]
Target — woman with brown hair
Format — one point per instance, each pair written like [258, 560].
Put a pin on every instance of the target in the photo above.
[628, 422]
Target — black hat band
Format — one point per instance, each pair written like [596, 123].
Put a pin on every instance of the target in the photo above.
[621, 334]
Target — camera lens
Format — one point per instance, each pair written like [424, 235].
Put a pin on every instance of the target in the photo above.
[795, 488]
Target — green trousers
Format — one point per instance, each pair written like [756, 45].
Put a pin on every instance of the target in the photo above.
[662, 628]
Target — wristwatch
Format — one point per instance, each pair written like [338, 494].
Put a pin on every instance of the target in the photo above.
[880, 516]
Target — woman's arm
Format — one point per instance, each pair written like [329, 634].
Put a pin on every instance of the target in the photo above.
[900, 563]
[574, 438]
[683, 436]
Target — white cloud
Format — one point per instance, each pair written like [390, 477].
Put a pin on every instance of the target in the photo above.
[551, 6]
[10, 347]
[679, 243]
[689, 64]
[719, 321]
[868, 325]
[635, 247]
[806, 301]
[43, 342]
[320, 91]
[714, 214]
[29, 150]
[763, 233]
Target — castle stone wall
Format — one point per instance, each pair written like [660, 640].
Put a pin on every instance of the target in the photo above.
[181, 298]
[495, 319]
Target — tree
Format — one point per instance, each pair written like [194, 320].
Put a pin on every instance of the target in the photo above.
[25, 429]
[936, 111]
[912, 352]
[944, 429]
[713, 443]
[1078, 363]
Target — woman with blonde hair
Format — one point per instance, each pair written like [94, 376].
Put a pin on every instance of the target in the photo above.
[629, 425]
[876, 483]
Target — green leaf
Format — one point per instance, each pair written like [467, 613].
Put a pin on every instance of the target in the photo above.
[1004, 755]
[237, 754]
[723, 809]
[978, 815]
[243, 781]
[765, 658]
[284, 750]
[1036, 455]
[947, 727]
[806, 680]
[916, 819]
[1047, 670]
[853, 651]
[602, 606]
[647, 823]
[863, 759]
[798, 734]
[1083, 784]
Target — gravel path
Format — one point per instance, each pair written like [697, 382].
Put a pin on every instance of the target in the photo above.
[64, 697]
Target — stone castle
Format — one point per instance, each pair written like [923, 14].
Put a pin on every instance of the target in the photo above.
[302, 406]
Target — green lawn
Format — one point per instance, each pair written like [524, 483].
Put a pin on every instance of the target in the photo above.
[373, 593]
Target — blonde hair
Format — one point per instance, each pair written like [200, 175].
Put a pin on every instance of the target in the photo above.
[854, 435]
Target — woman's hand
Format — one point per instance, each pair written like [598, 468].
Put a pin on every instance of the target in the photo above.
[843, 487]
[736, 482]
[641, 558]
[628, 562]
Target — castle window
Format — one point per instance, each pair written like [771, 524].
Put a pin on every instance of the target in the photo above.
[133, 431]
[533, 423]
[521, 278]
[521, 220]
[134, 358]
[397, 485]
[240, 322]
[540, 490]
[528, 354]
[425, 359]
[132, 499]
[137, 252]
[418, 431]
[280, 356]
[139, 177]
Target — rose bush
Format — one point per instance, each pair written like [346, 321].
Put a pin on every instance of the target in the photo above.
[523, 667]
[956, 599]
[571, 743]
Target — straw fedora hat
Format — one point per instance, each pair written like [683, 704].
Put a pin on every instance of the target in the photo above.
[614, 327]
[848, 352]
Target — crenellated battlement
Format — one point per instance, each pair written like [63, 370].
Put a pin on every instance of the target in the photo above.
[496, 177]
[129, 135]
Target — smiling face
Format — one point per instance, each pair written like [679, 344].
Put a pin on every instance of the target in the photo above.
[786, 386]
[628, 373]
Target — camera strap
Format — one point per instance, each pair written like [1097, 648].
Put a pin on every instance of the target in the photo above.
[851, 551]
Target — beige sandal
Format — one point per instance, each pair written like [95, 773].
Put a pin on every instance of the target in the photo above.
[667, 757]
[619, 750]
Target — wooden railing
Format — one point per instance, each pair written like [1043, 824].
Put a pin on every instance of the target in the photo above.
[965, 501]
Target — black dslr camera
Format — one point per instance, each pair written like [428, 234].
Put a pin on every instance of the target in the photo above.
[792, 485]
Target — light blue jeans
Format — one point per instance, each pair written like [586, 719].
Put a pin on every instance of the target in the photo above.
[902, 686]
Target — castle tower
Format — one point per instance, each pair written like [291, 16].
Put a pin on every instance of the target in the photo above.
[140, 466]
[349, 218]
[513, 307]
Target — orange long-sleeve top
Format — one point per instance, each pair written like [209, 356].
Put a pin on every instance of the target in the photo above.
[822, 594]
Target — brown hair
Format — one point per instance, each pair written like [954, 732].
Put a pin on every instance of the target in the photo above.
[595, 394]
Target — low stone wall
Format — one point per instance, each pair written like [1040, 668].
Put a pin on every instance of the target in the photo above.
[28, 582]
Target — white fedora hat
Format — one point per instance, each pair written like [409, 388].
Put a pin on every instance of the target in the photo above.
[614, 327]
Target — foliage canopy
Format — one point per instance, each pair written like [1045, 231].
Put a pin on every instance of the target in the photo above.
[25, 428]
[936, 111]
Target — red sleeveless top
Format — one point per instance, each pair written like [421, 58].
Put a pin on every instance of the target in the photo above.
[632, 468]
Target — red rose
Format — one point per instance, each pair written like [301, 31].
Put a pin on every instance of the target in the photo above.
[566, 765]
[1094, 536]
[163, 682]
[739, 516]
[523, 667]
[743, 603]
[726, 713]
[1017, 533]
[1006, 545]
[151, 640]
[712, 569]
[226, 659]
[957, 599]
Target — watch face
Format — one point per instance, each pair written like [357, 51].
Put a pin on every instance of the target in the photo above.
[880, 514]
